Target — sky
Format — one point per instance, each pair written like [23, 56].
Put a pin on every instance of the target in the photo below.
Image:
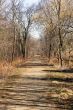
[35, 32]
[31, 2]
[28, 3]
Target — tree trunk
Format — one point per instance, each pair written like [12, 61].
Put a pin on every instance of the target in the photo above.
[49, 51]
[60, 48]
[13, 44]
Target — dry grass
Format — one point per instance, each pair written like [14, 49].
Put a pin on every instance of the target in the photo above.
[6, 68]
[66, 62]
[60, 78]
[18, 61]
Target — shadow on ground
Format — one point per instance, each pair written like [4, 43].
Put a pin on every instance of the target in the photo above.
[62, 70]
[60, 79]
[32, 64]
[26, 91]
[47, 78]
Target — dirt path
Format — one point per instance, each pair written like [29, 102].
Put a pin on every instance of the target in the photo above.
[32, 90]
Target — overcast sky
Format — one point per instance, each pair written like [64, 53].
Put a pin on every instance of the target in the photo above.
[31, 2]
[35, 32]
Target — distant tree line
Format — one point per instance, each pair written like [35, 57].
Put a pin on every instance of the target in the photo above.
[56, 18]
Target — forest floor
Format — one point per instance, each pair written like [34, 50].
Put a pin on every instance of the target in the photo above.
[37, 85]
